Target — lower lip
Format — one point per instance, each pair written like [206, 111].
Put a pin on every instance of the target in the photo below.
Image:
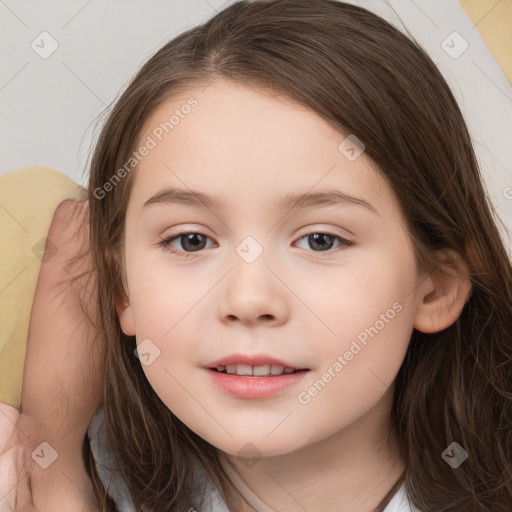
[249, 387]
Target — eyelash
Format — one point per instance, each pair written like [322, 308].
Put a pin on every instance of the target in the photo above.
[166, 241]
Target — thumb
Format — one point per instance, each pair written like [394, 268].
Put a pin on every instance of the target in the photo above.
[8, 417]
[24, 496]
[15, 488]
[9, 479]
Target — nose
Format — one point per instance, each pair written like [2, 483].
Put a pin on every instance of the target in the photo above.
[252, 294]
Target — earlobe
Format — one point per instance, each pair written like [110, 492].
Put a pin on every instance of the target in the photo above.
[122, 299]
[125, 314]
[443, 294]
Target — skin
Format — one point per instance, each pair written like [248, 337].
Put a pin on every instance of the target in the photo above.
[294, 303]
[60, 391]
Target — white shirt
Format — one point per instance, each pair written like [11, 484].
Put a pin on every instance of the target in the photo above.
[212, 499]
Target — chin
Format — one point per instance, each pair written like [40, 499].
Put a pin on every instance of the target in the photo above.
[253, 447]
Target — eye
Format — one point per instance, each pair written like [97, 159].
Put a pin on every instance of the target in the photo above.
[193, 241]
[323, 242]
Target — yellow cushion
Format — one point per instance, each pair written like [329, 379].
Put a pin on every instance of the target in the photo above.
[494, 21]
[28, 200]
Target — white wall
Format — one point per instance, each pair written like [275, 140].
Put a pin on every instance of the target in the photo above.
[48, 106]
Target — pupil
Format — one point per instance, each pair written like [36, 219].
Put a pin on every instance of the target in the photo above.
[191, 239]
[314, 240]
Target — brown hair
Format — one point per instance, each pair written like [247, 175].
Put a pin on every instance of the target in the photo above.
[364, 77]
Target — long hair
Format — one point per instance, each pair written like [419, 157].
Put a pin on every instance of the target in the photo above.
[364, 77]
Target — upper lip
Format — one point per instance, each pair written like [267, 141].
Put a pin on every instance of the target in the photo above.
[252, 360]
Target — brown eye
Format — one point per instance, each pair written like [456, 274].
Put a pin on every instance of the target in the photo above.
[323, 242]
[189, 241]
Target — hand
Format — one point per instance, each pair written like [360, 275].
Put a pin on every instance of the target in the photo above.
[15, 491]
[64, 362]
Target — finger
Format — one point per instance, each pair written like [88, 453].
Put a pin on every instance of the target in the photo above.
[8, 479]
[24, 495]
[8, 418]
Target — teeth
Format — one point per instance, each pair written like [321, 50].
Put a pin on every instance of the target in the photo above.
[239, 369]
[257, 371]
[261, 370]
[276, 369]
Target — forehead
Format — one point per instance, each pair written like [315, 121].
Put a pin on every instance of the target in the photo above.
[231, 140]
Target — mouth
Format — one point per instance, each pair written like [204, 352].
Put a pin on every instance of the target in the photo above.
[255, 381]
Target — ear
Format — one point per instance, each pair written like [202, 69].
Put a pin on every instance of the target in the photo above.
[123, 306]
[443, 294]
[125, 313]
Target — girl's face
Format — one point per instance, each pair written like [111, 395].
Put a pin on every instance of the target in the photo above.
[329, 286]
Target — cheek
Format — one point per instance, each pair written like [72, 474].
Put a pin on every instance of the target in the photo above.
[373, 290]
[164, 298]
[167, 310]
[368, 312]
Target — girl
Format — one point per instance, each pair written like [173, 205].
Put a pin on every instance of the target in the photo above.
[341, 338]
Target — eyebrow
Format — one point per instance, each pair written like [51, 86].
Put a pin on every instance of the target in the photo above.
[290, 201]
